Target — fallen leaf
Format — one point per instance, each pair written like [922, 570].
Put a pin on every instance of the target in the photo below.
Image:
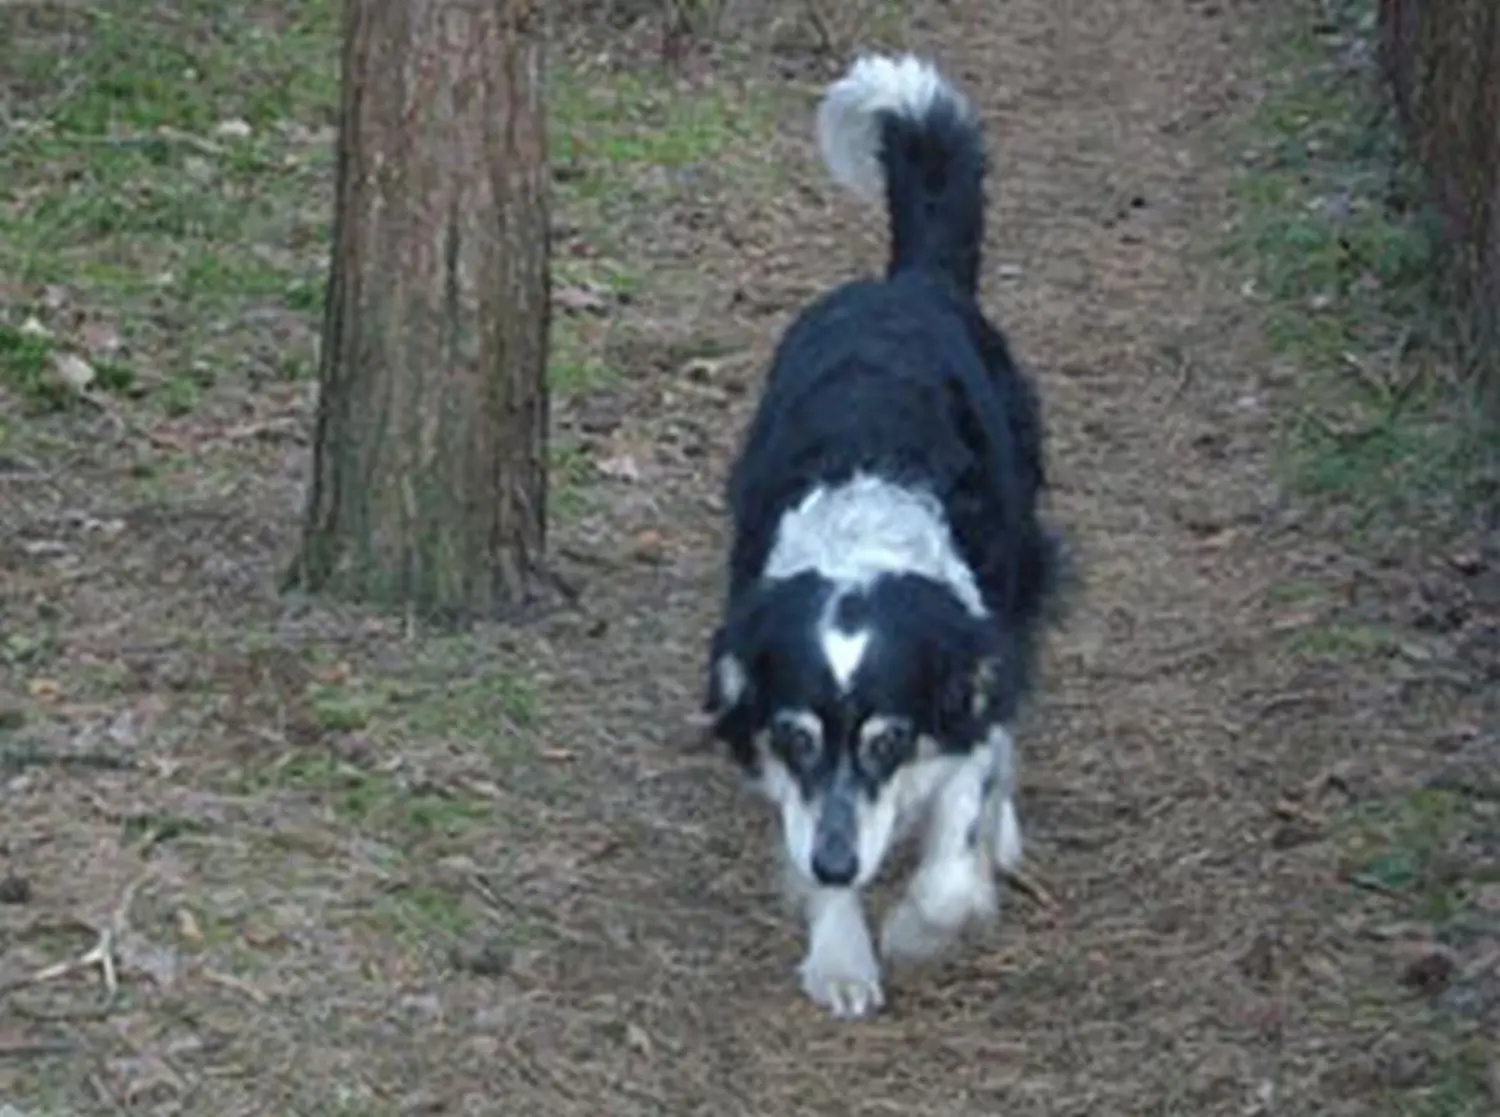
[637, 1039]
[649, 547]
[47, 690]
[198, 168]
[1417, 653]
[261, 934]
[188, 929]
[580, 298]
[100, 339]
[123, 731]
[1218, 540]
[74, 371]
[706, 368]
[139, 954]
[334, 675]
[1292, 621]
[1467, 562]
[620, 468]
[34, 328]
[139, 1077]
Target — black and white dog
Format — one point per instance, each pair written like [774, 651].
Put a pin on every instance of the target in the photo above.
[889, 572]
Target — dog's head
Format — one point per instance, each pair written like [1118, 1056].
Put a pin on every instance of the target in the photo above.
[849, 703]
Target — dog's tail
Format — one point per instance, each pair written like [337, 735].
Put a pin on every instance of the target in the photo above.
[896, 130]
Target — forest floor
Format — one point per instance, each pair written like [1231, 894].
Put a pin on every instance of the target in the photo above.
[341, 865]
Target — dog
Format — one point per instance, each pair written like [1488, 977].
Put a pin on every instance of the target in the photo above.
[889, 572]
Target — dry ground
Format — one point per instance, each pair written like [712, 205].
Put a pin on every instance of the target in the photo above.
[346, 867]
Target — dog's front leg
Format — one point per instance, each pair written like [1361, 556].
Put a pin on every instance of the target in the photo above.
[840, 972]
[954, 885]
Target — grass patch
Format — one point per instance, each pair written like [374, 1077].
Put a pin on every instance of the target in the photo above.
[1404, 847]
[1333, 244]
[1417, 850]
[1344, 641]
[1341, 261]
[376, 803]
[169, 170]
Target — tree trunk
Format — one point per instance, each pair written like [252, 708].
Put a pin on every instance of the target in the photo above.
[429, 481]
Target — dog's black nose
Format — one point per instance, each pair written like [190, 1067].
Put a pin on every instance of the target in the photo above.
[834, 862]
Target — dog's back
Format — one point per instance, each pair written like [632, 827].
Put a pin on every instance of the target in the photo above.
[903, 377]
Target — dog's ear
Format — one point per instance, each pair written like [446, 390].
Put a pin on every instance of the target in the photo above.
[734, 657]
[973, 690]
[729, 681]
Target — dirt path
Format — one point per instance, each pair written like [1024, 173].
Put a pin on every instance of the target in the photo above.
[1162, 981]
[372, 873]
[1148, 815]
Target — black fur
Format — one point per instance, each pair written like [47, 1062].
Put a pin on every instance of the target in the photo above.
[904, 379]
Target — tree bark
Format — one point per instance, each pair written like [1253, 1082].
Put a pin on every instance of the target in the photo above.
[429, 485]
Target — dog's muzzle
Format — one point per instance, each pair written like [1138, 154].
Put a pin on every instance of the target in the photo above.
[835, 851]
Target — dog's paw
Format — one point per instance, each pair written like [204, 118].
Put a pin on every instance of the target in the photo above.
[1008, 845]
[845, 983]
[908, 937]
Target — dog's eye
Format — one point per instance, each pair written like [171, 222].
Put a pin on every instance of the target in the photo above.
[795, 744]
[885, 747]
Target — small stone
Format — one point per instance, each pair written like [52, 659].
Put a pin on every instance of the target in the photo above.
[1429, 969]
[15, 890]
[1259, 962]
[648, 547]
[487, 957]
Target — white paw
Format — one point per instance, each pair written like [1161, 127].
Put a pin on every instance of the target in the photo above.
[1008, 837]
[908, 936]
[847, 986]
[840, 972]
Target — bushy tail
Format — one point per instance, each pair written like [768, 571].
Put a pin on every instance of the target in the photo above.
[895, 129]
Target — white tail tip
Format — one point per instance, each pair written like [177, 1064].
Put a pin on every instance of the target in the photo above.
[849, 115]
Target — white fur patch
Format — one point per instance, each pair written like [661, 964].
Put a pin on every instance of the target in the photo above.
[732, 680]
[882, 822]
[1008, 837]
[840, 971]
[901, 802]
[848, 117]
[799, 823]
[1007, 833]
[854, 532]
[844, 652]
[953, 884]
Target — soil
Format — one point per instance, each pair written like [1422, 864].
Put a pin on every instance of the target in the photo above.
[590, 925]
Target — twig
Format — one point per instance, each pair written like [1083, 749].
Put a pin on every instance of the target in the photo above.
[17, 758]
[164, 134]
[1024, 883]
[123, 425]
[820, 26]
[101, 954]
[239, 985]
[36, 1049]
[1372, 884]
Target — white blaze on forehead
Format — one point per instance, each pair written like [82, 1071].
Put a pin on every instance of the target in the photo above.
[844, 652]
